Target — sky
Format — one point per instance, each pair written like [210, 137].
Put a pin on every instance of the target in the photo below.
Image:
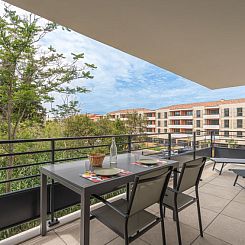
[123, 81]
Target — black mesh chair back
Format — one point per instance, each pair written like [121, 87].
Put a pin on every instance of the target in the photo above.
[148, 189]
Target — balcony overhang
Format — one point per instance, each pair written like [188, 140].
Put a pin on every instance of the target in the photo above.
[200, 40]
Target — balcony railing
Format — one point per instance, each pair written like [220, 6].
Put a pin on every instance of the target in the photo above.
[21, 204]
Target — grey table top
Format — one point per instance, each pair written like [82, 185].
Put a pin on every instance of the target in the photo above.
[69, 173]
[240, 172]
[228, 160]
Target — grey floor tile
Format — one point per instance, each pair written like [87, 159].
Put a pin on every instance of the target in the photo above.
[220, 191]
[99, 234]
[209, 240]
[154, 236]
[235, 210]
[50, 239]
[228, 229]
[240, 197]
[120, 241]
[211, 202]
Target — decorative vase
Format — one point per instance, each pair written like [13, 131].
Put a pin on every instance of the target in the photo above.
[96, 159]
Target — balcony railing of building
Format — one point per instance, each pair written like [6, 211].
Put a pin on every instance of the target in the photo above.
[19, 171]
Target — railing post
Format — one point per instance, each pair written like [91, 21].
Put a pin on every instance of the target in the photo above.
[129, 143]
[211, 144]
[194, 145]
[169, 145]
[53, 220]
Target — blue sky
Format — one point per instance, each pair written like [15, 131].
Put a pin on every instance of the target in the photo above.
[123, 81]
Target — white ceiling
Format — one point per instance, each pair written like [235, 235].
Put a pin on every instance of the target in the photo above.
[202, 40]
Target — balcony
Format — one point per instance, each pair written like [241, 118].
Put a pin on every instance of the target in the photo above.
[180, 117]
[207, 126]
[151, 126]
[222, 208]
[211, 116]
[180, 126]
[222, 205]
[151, 118]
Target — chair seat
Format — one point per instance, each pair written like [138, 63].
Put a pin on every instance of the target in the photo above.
[183, 200]
[116, 222]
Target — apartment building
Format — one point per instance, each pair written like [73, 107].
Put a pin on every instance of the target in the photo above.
[220, 117]
[203, 118]
[149, 115]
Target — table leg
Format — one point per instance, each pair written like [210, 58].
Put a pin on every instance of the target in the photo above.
[85, 218]
[43, 204]
[220, 172]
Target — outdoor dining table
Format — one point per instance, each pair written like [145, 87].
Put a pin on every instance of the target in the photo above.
[69, 175]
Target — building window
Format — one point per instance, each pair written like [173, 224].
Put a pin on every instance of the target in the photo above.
[226, 123]
[198, 132]
[226, 134]
[198, 122]
[239, 134]
[165, 115]
[158, 115]
[159, 130]
[189, 113]
[176, 113]
[165, 123]
[188, 122]
[226, 112]
[165, 130]
[239, 112]
[198, 113]
[159, 123]
[239, 123]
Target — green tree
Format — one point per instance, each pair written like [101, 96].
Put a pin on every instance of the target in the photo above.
[136, 123]
[30, 75]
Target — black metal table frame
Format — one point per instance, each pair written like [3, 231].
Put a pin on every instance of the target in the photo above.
[225, 161]
[85, 192]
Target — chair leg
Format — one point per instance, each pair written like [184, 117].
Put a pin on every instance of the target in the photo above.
[177, 225]
[126, 239]
[199, 217]
[235, 180]
[214, 166]
[162, 214]
[164, 211]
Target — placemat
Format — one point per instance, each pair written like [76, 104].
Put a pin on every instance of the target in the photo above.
[96, 178]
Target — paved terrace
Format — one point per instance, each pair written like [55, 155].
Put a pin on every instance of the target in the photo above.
[222, 210]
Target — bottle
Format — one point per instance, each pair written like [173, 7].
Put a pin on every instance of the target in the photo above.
[113, 151]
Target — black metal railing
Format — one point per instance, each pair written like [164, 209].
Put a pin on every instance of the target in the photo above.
[53, 151]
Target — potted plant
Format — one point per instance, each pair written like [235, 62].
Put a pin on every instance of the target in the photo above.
[96, 157]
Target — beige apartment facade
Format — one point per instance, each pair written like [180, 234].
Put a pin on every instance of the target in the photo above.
[149, 115]
[226, 118]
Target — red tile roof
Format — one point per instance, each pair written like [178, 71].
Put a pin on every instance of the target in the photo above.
[206, 104]
[130, 111]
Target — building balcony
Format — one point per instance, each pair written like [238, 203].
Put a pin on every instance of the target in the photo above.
[222, 205]
[180, 126]
[180, 117]
[218, 199]
[151, 118]
[214, 116]
[206, 126]
[151, 126]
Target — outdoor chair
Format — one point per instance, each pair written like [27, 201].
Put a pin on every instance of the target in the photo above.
[128, 218]
[176, 200]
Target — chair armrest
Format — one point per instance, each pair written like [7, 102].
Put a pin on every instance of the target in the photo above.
[110, 205]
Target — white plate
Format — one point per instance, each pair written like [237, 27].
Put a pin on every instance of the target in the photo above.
[107, 171]
[149, 161]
